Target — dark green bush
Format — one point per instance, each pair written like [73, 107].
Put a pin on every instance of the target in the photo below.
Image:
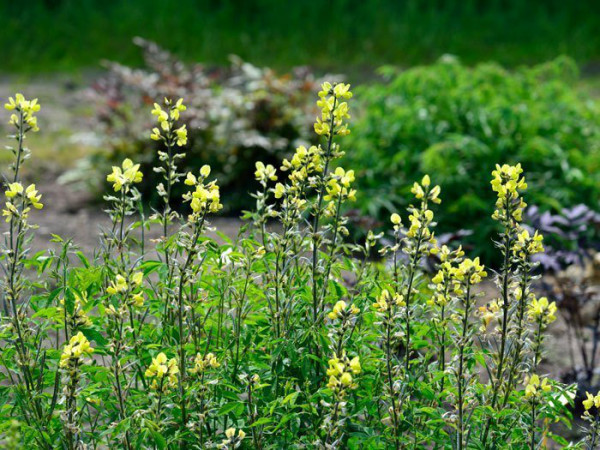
[457, 122]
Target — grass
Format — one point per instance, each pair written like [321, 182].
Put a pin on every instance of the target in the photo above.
[52, 35]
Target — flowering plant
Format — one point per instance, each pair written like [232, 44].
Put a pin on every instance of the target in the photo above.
[287, 336]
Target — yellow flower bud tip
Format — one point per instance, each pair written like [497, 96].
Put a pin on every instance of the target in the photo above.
[395, 218]
[425, 182]
[205, 170]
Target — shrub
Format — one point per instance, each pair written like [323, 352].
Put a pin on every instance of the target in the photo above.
[235, 116]
[456, 122]
[279, 339]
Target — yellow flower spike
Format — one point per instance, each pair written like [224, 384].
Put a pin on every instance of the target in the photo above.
[77, 347]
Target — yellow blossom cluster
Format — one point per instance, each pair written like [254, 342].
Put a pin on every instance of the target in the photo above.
[125, 176]
[338, 187]
[388, 298]
[233, 438]
[205, 198]
[341, 310]
[304, 163]
[77, 348]
[445, 276]
[265, 173]
[333, 109]
[468, 271]
[201, 363]
[163, 369]
[541, 309]
[507, 183]
[591, 401]
[421, 218]
[166, 120]
[534, 386]
[424, 190]
[526, 245]
[130, 285]
[16, 195]
[340, 373]
[27, 108]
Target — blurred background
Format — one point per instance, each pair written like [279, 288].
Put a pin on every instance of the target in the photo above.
[441, 87]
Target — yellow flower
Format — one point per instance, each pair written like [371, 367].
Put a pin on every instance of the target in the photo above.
[181, 133]
[27, 108]
[137, 300]
[342, 90]
[346, 379]
[264, 173]
[14, 189]
[396, 219]
[77, 347]
[338, 309]
[201, 363]
[507, 183]
[526, 245]
[533, 386]
[205, 170]
[155, 136]
[137, 278]
[591, 401]
[179, 106]
[355, 365]
[470, 269]
[124, 176]
[321, 128]
[161, 116]
[542, 309]
[119, 285]
[33, 197]
[279, 190]
[162, 367]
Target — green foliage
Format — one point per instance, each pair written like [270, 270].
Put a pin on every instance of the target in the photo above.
[69, 34]
[457, 122]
